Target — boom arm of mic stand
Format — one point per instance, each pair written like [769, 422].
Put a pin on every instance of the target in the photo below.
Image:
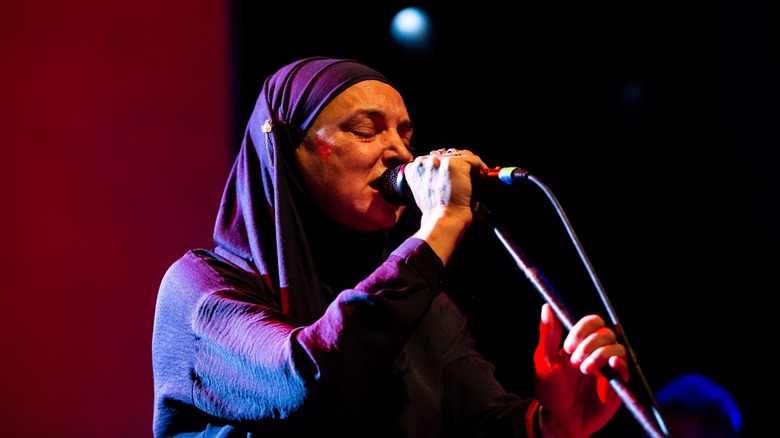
[557, 305]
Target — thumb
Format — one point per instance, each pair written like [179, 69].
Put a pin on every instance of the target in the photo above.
[550, 334]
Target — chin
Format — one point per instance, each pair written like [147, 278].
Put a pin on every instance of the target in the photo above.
[378, 218]
[391, 216]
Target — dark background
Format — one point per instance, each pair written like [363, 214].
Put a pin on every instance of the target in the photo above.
[654, 125]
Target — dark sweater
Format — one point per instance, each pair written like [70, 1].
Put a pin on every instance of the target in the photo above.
[390, 358]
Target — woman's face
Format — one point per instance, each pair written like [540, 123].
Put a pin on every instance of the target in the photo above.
[357, 136]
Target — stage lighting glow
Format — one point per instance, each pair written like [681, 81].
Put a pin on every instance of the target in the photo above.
[697, 394]
[411, 27]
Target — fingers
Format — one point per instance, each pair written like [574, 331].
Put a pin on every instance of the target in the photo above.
[590, 344]
[450, 151]
[620, 364]
[443, 180]
[442, 151]
[586, 327]
[451, 159]
[593, 345]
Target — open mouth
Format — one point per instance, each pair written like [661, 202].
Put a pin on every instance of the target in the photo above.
[376, 183]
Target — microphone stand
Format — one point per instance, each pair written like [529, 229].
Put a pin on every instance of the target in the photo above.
[557, 305]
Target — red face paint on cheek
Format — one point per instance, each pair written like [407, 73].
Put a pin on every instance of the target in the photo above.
[324, 148]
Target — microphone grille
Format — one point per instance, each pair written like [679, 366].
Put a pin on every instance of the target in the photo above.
[393, 187]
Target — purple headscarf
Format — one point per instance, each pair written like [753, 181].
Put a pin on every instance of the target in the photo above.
[258, 221]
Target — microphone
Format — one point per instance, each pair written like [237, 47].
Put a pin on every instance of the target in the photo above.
[395, 189]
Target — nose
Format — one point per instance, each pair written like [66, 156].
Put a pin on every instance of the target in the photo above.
[397, 153]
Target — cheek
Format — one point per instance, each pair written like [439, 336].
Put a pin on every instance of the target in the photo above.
[323, 147]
